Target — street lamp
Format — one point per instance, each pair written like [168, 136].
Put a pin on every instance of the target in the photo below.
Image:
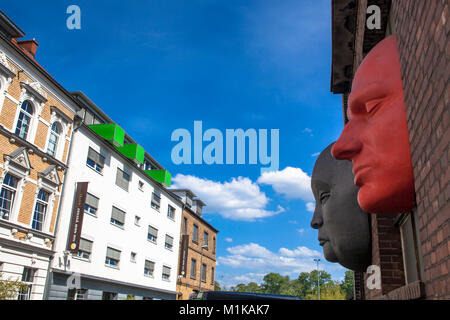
[318, 277]
[205, 246]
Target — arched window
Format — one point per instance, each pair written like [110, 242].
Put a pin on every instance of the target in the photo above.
[40, 210]
[53, 139]
[24, 120]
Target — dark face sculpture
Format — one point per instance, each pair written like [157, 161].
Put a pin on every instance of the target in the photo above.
[344, 230]
[376, 137]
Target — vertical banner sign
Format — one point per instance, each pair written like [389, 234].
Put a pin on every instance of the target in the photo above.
[184, 254]
[77, 216]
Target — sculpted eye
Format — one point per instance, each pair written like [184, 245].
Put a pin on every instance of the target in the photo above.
[373, 105]
[324, 197]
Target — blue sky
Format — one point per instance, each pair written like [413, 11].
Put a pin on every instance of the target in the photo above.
[155, 66]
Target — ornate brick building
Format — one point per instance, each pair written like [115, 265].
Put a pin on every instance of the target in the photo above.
[36, 116]
[411, 249]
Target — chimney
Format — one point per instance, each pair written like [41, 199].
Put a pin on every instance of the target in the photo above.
[29, 45]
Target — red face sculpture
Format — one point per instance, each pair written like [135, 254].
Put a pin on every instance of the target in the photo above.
[376, 138]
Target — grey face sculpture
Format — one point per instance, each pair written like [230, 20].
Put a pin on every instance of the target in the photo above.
[344, 229]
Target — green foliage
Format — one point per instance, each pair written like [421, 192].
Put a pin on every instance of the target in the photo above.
[347, 284]
[305, 286]
[217, 286]
[10, 288]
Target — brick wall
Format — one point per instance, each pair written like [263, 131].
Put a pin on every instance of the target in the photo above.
[187, 284]
[7, 117]
[422, 31]
[423, 37]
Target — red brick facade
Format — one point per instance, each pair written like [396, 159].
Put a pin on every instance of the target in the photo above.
[423, 36]
[422, 31]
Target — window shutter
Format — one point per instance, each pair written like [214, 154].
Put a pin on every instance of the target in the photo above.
[92, 201]
[156, 198]
[166, 270]
[85, 245]
[149, 265]
[122, 179]
[153, 231]
[118, 215]
[113, 254]
[169, 240]
[96, 157]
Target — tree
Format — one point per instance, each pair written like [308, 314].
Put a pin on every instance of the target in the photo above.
[302, 285]
[10, 288]
[347, 284]
[217, 286]
[275, 283]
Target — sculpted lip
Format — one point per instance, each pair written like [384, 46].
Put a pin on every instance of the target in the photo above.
[358, 171]
[322, 241]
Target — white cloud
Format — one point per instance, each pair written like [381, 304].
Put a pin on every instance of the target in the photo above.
[290, 182]
[310, 206]
[259, 259]
[238, 199]
[315, 154]
[301, 230]
[299, 252]
[308, 130]
[228, 240]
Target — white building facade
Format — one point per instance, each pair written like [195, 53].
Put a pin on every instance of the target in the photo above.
[130, 231]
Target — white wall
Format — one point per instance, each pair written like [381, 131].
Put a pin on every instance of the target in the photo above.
[103, 233]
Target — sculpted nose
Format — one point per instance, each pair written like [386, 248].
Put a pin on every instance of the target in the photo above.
[317, 220]
[348, 144]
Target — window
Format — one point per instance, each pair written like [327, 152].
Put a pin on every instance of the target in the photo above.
[109, 295]
[141, 185]
[77, 294]
[188, 201]
[410, 248]
[152, 234]
[171, 212]
[169, 242]
[27, 279]
[195, 233]
[53, 139]
[193, 268]
[166, 273]
[149, 267]
[185, 221]
[112, 257]
[203, 273]
[117, 217]
[137, 221]
[214, 245]
[205, 238]
[133, 257]
[40, 210]
[95, 160]
[156, 201]
[122, 179]
[85, 249]
[91, 204]
[7, 195]
[212, 275]
[24, 120]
